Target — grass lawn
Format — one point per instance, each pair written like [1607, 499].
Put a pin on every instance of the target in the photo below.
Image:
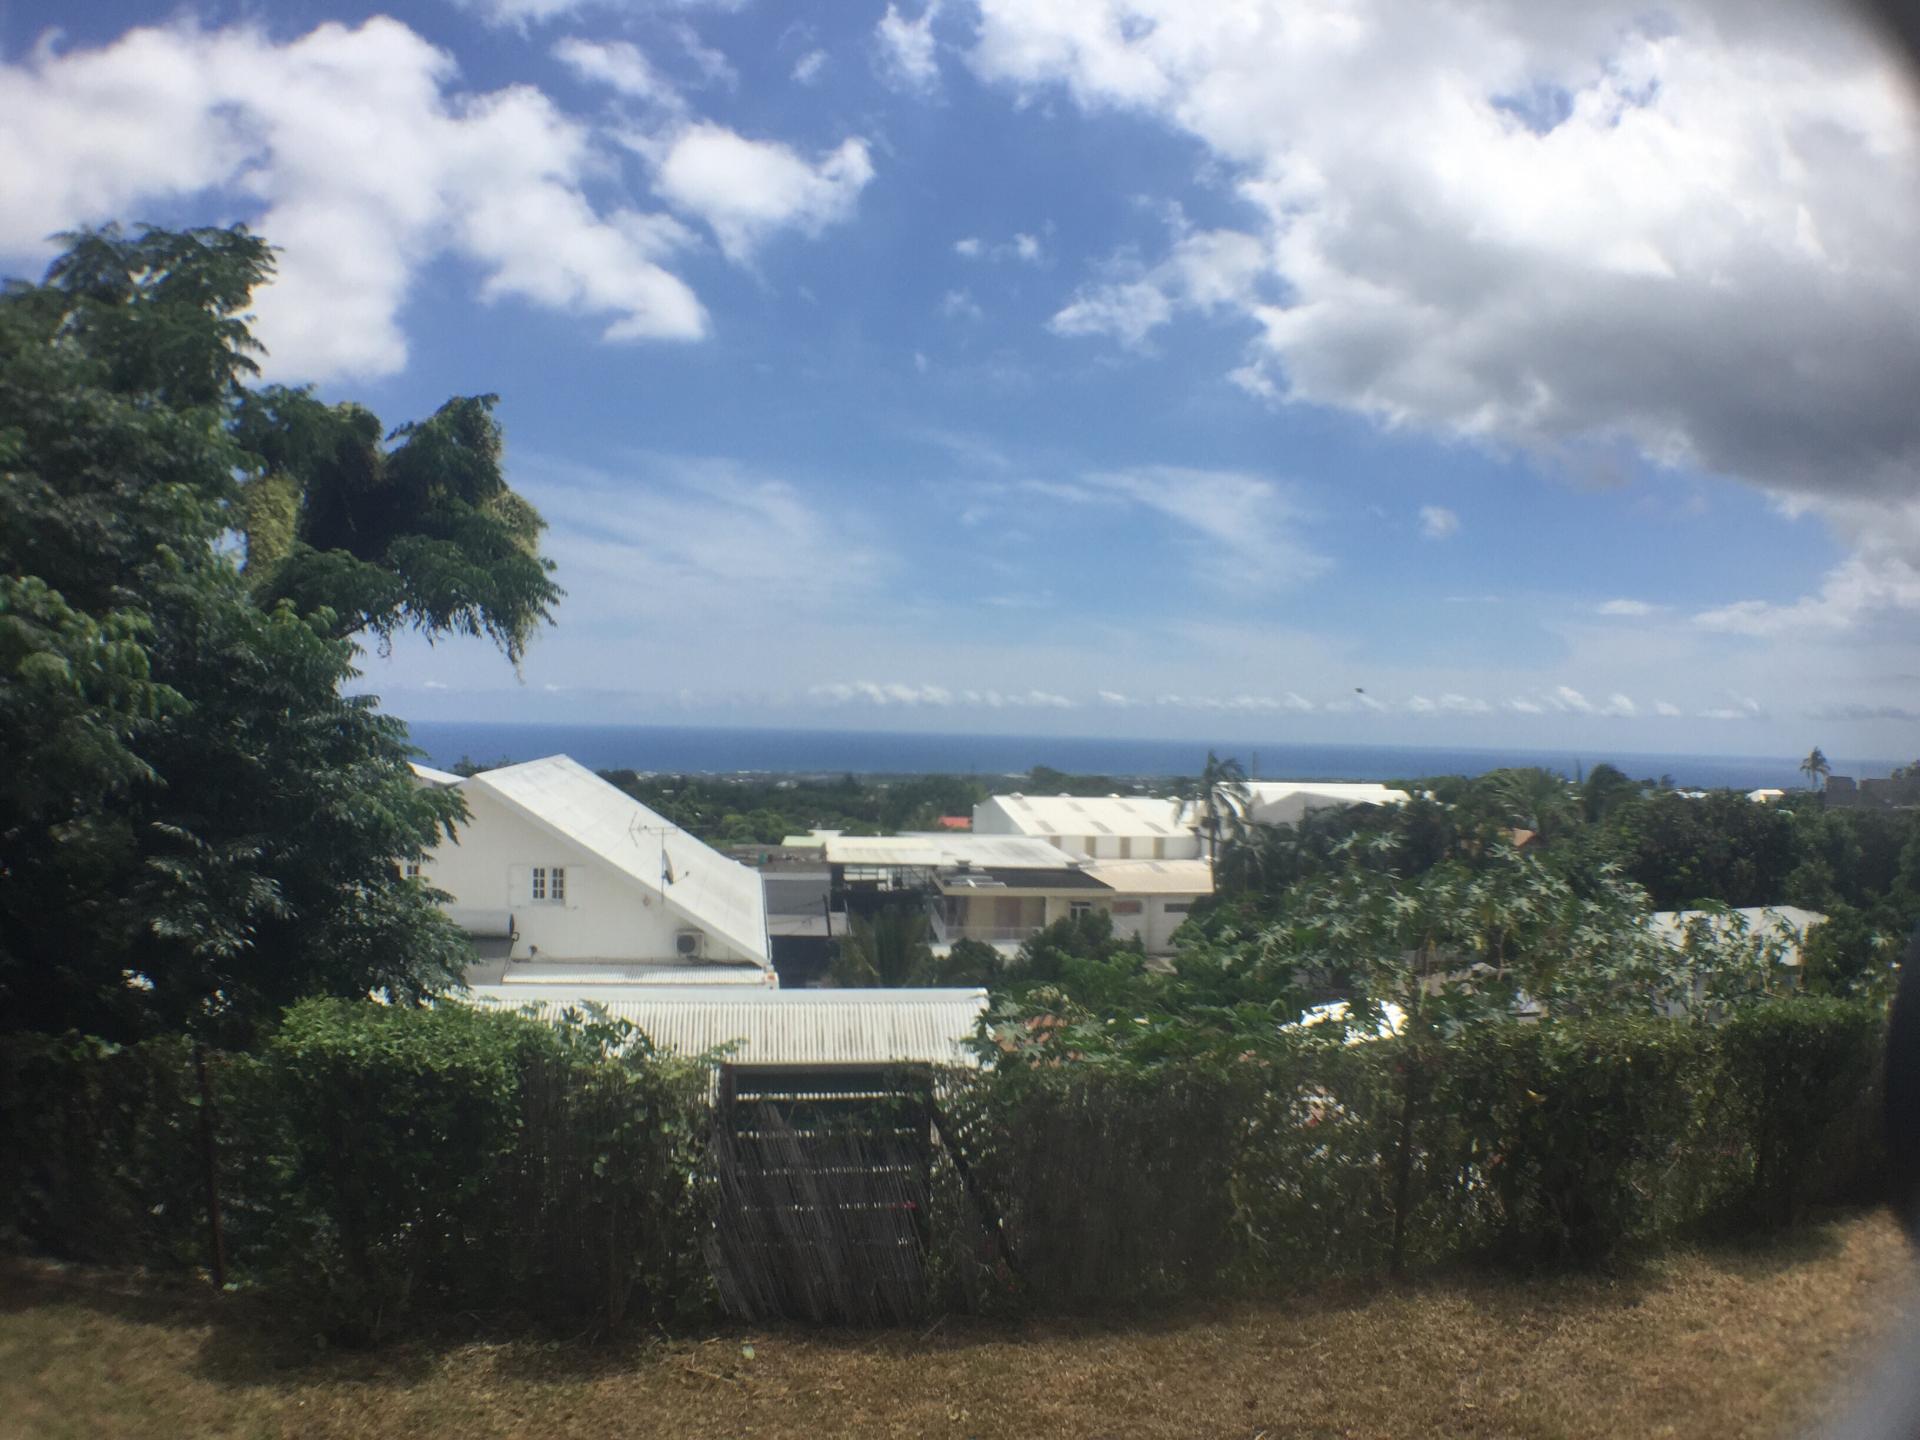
[1719, 1342]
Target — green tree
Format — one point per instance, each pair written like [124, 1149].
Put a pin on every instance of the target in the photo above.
[889, 949]
[1815, 768]
[1605, 789]
[197, 826]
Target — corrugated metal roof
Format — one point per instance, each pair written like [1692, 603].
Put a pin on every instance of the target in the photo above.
[781, 1027]
[1154, 877]
[939, 852]
[1134, 816]
[721, 896]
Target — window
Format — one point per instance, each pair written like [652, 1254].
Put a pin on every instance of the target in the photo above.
[1127, 907]
[557, 884]
[1077, 908]
[539, 882]
[1177, 907]
[549, 882]
[413, 869]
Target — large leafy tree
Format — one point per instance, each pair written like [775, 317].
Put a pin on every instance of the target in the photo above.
[196, 825]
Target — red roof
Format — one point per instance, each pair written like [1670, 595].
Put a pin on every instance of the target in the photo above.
[956, 822]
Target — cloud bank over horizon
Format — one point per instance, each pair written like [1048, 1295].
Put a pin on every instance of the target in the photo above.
[1466, 369]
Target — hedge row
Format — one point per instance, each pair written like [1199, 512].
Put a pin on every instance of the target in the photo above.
[372, 1160]
[1513, 1143]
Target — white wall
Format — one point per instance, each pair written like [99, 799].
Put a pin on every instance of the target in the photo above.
[607, 914]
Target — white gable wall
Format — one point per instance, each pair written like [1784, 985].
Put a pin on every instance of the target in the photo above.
[606, 915]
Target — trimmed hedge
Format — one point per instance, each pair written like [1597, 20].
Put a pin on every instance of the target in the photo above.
[372, 1160]
[376, 1160]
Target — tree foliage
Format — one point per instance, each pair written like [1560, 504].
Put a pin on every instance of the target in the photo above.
[197, 826]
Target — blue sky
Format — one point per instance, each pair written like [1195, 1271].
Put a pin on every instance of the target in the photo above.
[1345, 371]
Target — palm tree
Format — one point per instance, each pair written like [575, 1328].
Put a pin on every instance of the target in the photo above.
[886, 950]
[1816, 768]
[1221, 797]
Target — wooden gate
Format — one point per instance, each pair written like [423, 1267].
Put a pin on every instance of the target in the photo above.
[822, 1180]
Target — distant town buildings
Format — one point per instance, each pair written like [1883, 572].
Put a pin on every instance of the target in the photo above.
[1896, 792]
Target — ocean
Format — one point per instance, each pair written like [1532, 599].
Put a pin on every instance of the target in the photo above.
[721, 751]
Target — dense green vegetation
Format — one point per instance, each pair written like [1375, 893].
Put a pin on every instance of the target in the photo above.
[197, 826]
[376, 1160]
[735, 811]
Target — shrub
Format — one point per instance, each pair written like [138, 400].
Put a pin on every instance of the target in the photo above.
[1797, 1082]
[1564, 1131]
[100, 1157]
[395, 1127]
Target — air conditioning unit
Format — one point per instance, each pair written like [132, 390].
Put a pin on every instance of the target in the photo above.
[690, 944]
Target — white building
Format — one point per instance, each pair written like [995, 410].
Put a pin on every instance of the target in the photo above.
[1286, 802]
[1095, 827]
[562, 878]
[1785, 924]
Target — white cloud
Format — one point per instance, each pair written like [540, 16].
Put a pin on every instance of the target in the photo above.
[1464, 705]
[960, 305]
[619, 65]
[1565, 697]
[524, 14]
[349, 149]
[1629, 609]
[1206, 270]
[1863, 586]
[1520, 705]
[909, 695]
[1438, 523]
[1023, 247]
[714, 67]
[746, 190]
[1245, 520]
[680, 538]
[1129, 313]
[1620, 705]
[906, 50]
[1666, 708]
[809, 67]
[1685, 232]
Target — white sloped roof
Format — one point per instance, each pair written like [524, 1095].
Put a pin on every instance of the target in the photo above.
[1153, 877]
[938, 852]
[1133, 816]
[427, 775]
[720, 896]
[779, 1027]
[1282, 802]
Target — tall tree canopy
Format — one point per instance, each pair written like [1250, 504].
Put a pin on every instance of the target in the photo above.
[196, 824]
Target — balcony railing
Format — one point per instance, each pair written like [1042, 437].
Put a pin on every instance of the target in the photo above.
[945, 932]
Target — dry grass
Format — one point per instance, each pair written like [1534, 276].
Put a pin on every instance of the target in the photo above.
[1723, 1343]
